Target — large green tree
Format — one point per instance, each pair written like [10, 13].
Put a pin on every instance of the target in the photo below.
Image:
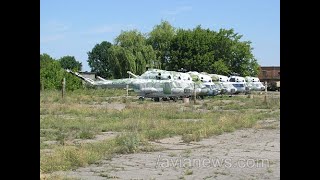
[219, 52]
[98, 59]
[69, 62]
[192, 50]
[52, 74]
[160, 39]
[132, 53]
[123, 60]
[198, 49]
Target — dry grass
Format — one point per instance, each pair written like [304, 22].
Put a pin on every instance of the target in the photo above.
[84, 114]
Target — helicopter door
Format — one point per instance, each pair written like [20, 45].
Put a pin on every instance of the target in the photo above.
[167, 88]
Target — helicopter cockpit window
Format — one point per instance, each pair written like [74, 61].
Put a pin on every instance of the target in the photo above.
[232, 80]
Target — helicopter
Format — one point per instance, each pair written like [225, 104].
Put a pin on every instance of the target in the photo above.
[151, 87]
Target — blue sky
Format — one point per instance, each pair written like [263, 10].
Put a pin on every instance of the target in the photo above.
[74, 27]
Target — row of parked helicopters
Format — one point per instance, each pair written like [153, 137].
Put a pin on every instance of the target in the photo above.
[171, 85]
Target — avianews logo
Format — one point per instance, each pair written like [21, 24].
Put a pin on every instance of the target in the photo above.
[182, 162]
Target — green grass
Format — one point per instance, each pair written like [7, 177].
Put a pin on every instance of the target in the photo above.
[188, 172]
[84, 113]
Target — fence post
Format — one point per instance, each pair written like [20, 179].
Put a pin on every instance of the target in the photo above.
[194, 93]
[265, 95]
[63, 87]
[127, 87]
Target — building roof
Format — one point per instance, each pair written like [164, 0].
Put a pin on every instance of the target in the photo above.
[86, 72]
[270, 66]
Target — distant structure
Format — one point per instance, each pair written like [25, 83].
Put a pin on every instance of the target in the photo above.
[270, 74]
[91, 75]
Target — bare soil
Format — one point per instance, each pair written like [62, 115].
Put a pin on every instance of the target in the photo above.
[244, 154]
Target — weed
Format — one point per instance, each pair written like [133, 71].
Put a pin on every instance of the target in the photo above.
[127, 143]
[83, 114]
[188, 172]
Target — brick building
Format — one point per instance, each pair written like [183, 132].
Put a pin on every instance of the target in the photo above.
[269, 73]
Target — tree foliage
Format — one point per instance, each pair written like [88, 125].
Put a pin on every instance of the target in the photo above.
[122, 61]
[165, 47]
[131, 53]
[213, 52]
[52, 74]
[160, 39]
[98, 59]
[69, 62]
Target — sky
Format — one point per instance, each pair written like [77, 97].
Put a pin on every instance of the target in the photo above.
[74, 27]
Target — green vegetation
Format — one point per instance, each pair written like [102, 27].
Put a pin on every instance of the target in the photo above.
[69, 62]
[170, 48]
[83, 114]
[188, 172]
[52, 73]
[165, 47]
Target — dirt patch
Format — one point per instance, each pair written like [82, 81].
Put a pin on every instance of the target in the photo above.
[50, 142]
[46, 151]
[100, 137]
[189, 120]
[115, 106]
[243, 154]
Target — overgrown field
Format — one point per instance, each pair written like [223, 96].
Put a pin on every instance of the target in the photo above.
[85, 114]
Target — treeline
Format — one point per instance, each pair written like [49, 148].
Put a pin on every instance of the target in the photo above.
[166, 47]
[52, 72]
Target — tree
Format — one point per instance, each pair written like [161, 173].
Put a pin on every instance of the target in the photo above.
[52, 74]
[220, 67]
[219, 52]
[69, 62]
[191, 49]
[197, 49]
[98, 59]
[133, 53]
[160, 39]
[123, 60]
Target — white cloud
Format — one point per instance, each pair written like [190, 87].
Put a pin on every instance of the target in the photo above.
[50, 38]
[103, 29]
[110, 28]
[178, 10]
[54, 26]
